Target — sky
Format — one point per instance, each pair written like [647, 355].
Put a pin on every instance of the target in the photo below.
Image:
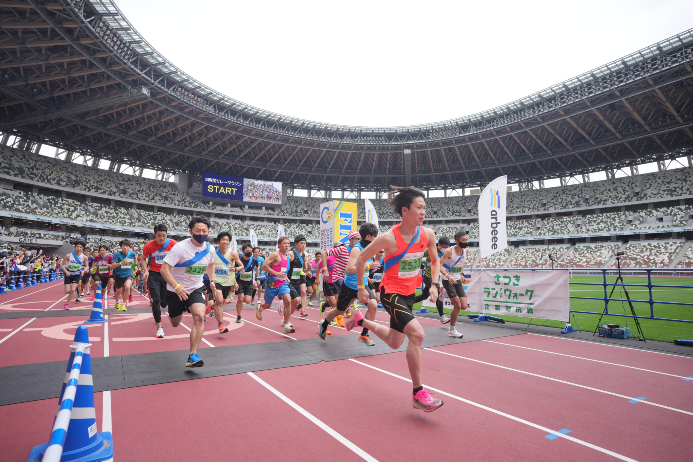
[392, 63]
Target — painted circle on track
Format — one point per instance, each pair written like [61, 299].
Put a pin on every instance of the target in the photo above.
[119, 319]
[58, 332]
[28, 305]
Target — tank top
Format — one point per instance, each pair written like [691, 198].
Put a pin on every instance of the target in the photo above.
[296, 266]
[75, 265]
[405, 277]
[351, 279]
[280, 268]
[456, 263]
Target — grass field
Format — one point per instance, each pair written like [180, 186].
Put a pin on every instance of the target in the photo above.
[665, 331]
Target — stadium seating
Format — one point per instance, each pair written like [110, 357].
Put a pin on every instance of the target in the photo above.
[588, 256]
[497, 260]
[601, 223]
[687, 260]
[649, 254]
[536, 256]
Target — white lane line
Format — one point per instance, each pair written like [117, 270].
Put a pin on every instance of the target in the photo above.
[586, 359]
[610, 345]
[32, 293]
[504, 414]
[106, 417]
[30, 320]
[319, 423]
[203, 338]
[560, 381]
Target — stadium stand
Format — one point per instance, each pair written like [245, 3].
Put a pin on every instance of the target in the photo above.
[651, 254]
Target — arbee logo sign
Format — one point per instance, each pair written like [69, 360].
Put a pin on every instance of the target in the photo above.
[495, 223]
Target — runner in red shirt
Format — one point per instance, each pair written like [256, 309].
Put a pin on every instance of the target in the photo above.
[102, 275]
[153, 256]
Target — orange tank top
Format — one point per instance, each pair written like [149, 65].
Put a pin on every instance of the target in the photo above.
[404, 277]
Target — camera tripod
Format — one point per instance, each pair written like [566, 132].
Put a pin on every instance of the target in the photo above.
[619, 280]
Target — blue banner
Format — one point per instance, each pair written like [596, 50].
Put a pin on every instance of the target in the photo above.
[222, 187]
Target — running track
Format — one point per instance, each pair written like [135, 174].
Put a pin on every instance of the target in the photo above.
[503, 396]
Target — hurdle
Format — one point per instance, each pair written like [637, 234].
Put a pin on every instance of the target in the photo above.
[74, 437]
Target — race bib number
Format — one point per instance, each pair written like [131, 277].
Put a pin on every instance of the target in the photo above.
[73, 268]
[410, 265]
[296, 273]
[195, 270]
[221, 271]
[127, 264]
[378, 277]
[457, 269]
[103, 269]
[246, 276]
[159, 258]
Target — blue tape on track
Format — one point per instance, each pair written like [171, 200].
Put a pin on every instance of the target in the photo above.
[637, 400]
[553, 436]
[688, 379]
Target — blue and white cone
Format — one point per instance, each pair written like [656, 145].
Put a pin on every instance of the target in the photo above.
[3, 288]
[20, 284]
[11, 287]
[480, 318]
[97, 308]
[82, 442]
[423, 310]
[568, 329]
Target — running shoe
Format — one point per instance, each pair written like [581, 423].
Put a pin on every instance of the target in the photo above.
[289, 329]
[124, 307]
[339, 320]
[194, 361]
[223, 329]
[453, 333]
[366, 339]
[310, 304]
[160, 332]
[117, 306]
[258, 313]
[93, 297]
[66, 307]
[252, 303]
[78, 299]
[227, 301]
[348, 312]
[423, 400]
[238, 319]
[209, 308]
[444, 319]
[353, 320]
[322, 331]
[380, 305]
[130, 299]
[280, 310]
[327, 332]
[303, 313]
[333, 323]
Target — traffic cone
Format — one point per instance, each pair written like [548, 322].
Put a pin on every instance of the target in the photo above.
[20, 284]
[423, 310]
[29, 283]
[568, 329]
[97, 308]
[33, 279]
[82, 442]
[3, 288]
[11, 287]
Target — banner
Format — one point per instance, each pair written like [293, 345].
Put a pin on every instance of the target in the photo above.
[234, 245]
[280, 233]
[469, 290]
[493, 235]
[530, 294]
[253, 237]
[337, 220]
[371, 214]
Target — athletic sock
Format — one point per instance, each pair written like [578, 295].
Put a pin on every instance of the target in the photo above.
[417, 389]
[325, 324]
[452, 328]
[439, 305]
[360, 323]
[365, 331]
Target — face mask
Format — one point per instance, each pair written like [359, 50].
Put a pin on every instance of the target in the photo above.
[364, 243]
[200, 238]
[463, 245]
[248, 254]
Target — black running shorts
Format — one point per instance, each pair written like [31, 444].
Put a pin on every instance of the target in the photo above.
[72, 279]
[245, 288]
[456, 290]
[329, 289]
[120, 282]
[177, 307]
[348, 295]
[400, 309]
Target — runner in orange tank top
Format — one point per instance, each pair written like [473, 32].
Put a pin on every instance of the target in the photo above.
[404, 247]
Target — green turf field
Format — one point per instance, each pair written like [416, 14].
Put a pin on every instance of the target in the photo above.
[665, 331]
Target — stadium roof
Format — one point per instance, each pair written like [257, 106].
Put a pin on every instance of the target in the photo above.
[76, 74]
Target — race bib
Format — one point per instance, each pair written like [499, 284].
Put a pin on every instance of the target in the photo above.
[296, 273]
[410, 265]
[73, 268]
[457, 269]
[221, 271]
[127, 264]
[159, 258]
[103, 269]
[195, 270]
[378, 277]
[246, 276]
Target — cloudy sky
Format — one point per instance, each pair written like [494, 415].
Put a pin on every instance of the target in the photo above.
[385, 63]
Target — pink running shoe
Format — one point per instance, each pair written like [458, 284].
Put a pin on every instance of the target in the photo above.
[130, 299]
[66, 307]
[423, 400]
[351, 321]
[93, 297]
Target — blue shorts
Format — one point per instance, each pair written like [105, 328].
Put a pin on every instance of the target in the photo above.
[272, 292]
[262, 282]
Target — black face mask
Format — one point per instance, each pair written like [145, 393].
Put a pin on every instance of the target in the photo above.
[364, 243]
[463, 245]
[248, 254]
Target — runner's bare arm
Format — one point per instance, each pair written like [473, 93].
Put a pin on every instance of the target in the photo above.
[236, 259]
[170, 280]
[385, 241]
[325, 272]
[446, 274]
[63, 265]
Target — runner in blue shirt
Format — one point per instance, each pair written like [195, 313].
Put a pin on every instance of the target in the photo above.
[123, 262]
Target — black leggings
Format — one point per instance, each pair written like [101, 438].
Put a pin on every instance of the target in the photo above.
[157, 287]
[425, 294]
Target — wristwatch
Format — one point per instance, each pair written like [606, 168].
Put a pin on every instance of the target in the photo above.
[437, 284]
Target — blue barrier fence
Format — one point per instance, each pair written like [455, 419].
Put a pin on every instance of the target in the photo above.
[647, 273]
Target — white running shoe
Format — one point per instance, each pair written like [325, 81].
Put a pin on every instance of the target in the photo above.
[444, 319]
[160, 332]
[453, 333]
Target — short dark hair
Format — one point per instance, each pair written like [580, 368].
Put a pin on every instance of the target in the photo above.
[444, 241]
[256, 248]
[401, 197]
[79, 242]
[299, 238]
[460, 233]
[368, 229]
[224, 234]
[103, 247]
[317, 254]
[245, 246]
[125, 242]
[160, 227]
[282, 239]
[199, 219]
